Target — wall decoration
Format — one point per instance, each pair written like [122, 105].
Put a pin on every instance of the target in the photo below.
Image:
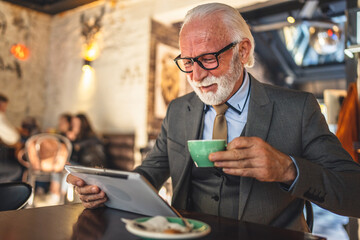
[166, 82]
[3, 24]
[20, 51]
[90, 31]
[11, 67]
[170, 82]
[21, 22]
[131, 75]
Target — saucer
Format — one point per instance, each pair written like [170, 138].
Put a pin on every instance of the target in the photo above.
[200, 229]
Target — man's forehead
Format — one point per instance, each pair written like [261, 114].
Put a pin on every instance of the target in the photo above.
[211, 25]
[203, 33]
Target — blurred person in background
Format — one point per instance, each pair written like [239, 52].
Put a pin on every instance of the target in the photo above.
[8, 133]
[64, 124]
[29, 127]
[88, 148]
[10, 169]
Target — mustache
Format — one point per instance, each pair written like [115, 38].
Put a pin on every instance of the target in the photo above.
[205, 82]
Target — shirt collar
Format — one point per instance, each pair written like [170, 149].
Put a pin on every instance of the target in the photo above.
[236, 102]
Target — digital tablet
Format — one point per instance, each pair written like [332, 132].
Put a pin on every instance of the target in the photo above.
[128, 191]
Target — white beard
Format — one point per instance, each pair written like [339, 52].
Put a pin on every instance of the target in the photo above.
[225, 83]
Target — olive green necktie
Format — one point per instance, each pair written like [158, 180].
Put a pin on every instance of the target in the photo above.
[220, 126]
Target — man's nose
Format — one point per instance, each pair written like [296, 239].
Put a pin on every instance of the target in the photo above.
[198, 73]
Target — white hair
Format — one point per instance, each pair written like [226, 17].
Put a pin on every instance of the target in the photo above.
[235, 23]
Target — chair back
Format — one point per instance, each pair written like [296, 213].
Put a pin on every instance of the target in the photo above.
[14, 195]
[47, 152]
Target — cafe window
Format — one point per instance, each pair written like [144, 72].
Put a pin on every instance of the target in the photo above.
[314, 43]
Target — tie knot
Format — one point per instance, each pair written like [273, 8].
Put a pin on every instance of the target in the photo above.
[220, 109]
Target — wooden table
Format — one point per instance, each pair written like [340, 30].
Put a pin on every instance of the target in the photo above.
[74, 222]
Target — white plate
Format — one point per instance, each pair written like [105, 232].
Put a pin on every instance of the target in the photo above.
[203, 228]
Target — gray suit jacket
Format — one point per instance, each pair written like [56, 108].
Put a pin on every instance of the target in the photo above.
[290, 121]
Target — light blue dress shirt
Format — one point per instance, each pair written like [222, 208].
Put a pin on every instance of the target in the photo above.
[235, 121]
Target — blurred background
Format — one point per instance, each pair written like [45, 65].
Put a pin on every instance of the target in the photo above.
[112, 60]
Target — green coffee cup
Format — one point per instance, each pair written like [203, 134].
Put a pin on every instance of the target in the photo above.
[200, 150]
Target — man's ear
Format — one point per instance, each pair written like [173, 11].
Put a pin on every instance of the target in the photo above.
[244, 50]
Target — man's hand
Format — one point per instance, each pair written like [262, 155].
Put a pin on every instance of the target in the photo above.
[252, 157]
[91, 196]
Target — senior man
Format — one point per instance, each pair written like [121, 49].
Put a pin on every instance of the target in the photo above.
[280, 151]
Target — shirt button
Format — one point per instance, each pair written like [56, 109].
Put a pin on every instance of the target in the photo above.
[215, 197]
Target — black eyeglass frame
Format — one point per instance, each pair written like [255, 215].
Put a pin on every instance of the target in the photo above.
[196, 59]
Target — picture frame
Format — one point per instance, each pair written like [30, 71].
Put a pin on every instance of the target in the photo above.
[166, 81]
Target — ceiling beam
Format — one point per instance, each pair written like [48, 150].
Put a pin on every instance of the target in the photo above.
[53, 7]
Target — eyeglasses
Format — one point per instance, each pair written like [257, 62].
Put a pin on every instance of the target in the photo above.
[207, 61]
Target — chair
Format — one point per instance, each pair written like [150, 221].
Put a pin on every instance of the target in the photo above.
[14, 195]
[120, 151]
[46, 155]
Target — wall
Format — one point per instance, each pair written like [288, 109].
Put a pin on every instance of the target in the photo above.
[23, 81]
[115, 101]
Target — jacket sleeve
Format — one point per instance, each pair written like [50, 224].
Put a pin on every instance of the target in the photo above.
[155, 167]
[327, 174]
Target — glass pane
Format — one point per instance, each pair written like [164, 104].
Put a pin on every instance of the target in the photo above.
[315, 42]
[208, 60]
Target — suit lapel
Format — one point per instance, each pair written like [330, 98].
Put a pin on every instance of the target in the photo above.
[260, 111]
[258, 123]
[193, 125]
[194, 112]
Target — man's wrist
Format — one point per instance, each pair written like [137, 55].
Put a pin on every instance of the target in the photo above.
[292, 175]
